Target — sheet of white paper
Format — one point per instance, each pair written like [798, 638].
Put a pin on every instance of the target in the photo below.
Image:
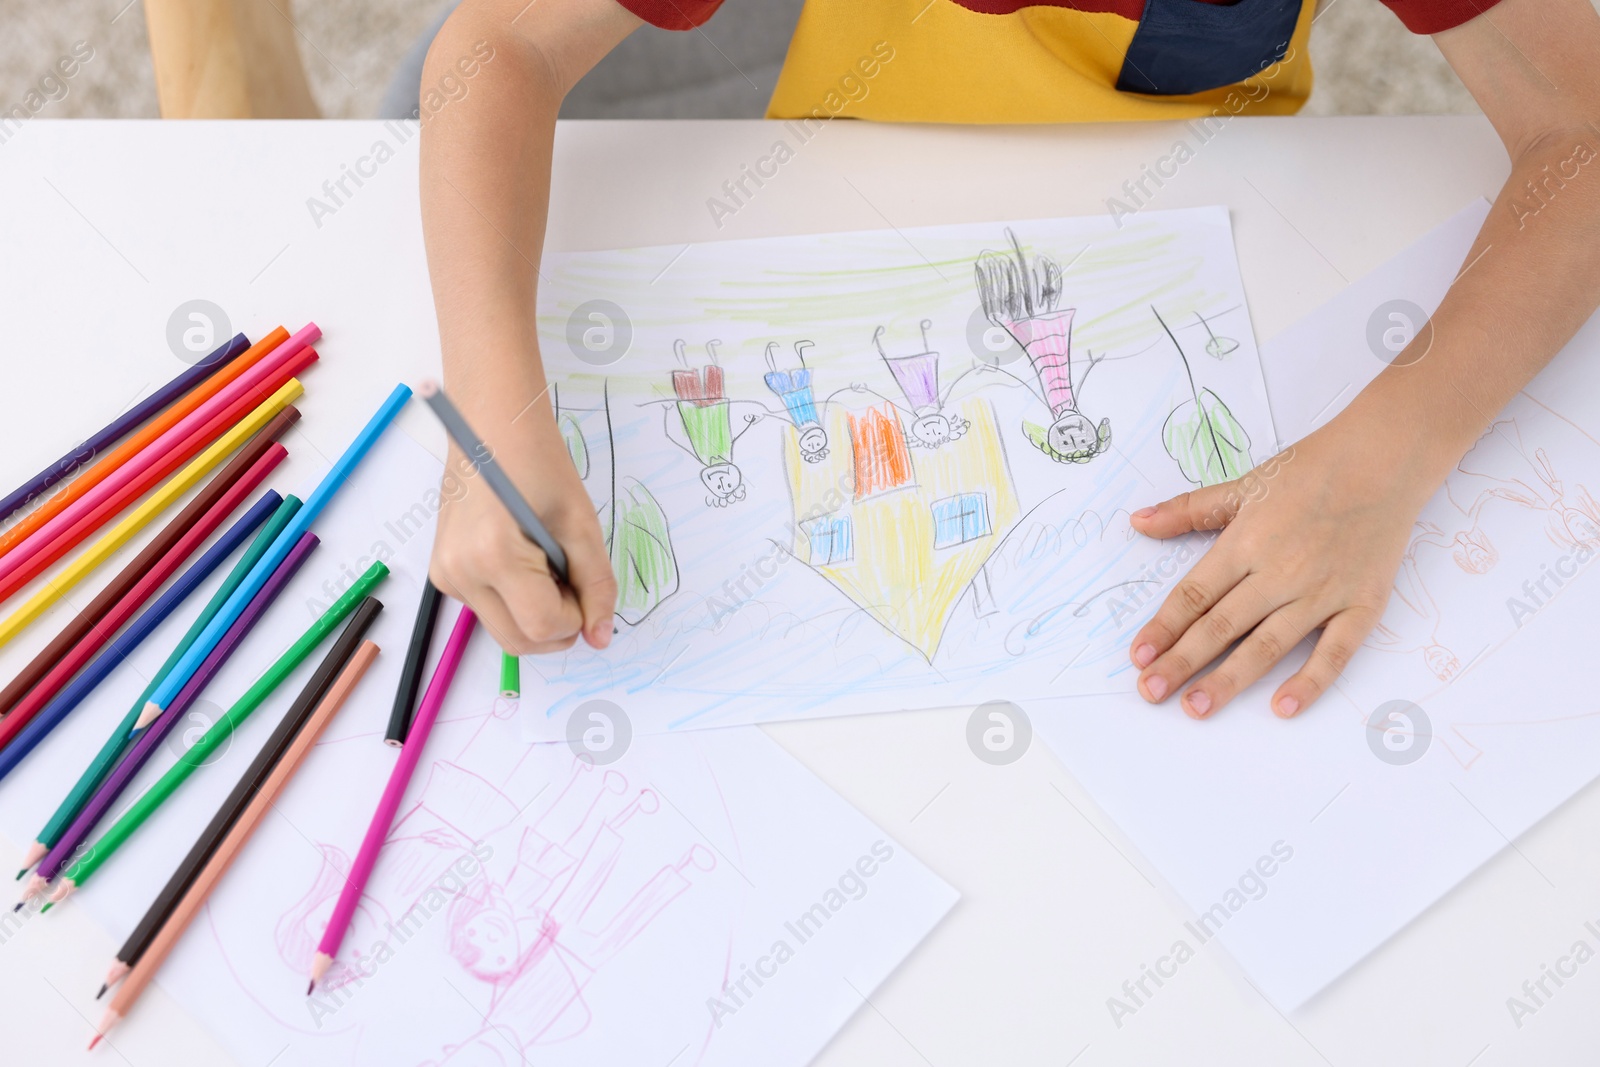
[528, 903]
[881, 501]
[1372, 817]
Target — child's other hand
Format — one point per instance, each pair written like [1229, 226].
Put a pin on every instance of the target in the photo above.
[480, 556]
[1312, 538]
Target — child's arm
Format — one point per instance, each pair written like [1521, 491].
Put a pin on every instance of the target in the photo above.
[1315, 541]
[485, 194]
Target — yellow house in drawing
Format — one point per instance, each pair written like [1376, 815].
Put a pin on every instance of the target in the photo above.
[902, 530]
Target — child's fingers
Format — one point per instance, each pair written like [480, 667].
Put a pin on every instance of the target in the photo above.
[1210, 508]
[1233, 615]
[1194, 595]
[1340, 638]
[1270, 641]
[589, 571]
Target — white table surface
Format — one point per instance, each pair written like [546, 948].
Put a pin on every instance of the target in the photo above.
[106, 227]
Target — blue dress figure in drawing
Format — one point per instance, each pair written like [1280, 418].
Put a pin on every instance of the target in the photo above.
[793, 387]
[918, 378]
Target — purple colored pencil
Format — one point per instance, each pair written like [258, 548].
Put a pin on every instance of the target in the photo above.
[122, 425]
[153, 735]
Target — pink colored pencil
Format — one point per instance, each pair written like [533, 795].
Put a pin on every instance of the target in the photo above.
[388, 804]
[158, 450]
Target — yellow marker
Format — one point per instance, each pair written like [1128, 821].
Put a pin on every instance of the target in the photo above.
[163, 498]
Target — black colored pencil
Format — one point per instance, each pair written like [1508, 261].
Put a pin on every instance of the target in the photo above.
[405, 697]
[259, 770]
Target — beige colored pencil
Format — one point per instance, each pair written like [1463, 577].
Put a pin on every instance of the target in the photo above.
[212, 873]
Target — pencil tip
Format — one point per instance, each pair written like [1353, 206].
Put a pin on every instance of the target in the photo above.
[21, 873]
[310, 986]
[47, 906]
[18, 905]
[103, 988]
[95, 1041]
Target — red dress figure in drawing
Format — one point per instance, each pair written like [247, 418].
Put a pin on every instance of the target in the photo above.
[704, 414]
[1022, 301]
[918, 378]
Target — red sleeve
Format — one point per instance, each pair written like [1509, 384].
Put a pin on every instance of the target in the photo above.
[673, 14]
[1435, 16]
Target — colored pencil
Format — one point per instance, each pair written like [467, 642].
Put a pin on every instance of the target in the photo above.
[114, 460]
[135, 598]
[110, 498]
[73, 694]
[92, 858]
[58, 585]
[405, 696]
[214, 490]
[333, 666]
[121, 426]
[389, 803]
[483, 459]
[194, 898]
[331, 483]
[118, 742]
[510, 676]
[140, 753]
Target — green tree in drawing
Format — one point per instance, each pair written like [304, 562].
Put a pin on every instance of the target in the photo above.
[636, 530]
[1201, 434]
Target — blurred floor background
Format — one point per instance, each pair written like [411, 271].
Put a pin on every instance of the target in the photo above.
[1366, 62]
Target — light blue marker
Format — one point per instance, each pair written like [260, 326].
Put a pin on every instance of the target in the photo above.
[179, 676]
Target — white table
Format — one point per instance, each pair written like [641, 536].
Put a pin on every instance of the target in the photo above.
[106, 227]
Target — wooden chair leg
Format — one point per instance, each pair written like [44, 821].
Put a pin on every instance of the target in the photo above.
[227, 59]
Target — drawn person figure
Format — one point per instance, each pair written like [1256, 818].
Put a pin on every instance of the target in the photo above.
[1021, 299]
[704, 414]
[1416, 628]
[793, 387]
[918, 378]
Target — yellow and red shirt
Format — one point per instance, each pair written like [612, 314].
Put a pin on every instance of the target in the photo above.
[1014, 61]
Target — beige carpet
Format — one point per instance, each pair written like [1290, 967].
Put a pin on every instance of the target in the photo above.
[1366, 62]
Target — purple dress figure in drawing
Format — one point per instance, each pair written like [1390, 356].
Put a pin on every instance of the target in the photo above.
[793, 387]
[918, 378]
[1021, 299]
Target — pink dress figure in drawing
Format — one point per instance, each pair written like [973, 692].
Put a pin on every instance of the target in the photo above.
[918, 378]
[1021, 299]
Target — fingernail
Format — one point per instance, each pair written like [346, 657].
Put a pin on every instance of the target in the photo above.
[1144, 655]
[1156, 686]
[1199, 703]
[1287, 706]
[1144, 513]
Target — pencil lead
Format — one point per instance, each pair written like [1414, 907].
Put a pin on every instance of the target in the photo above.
[310, 986]
[21, 873]
[103, 988]
[95, 1040]
[150, 714]
[47, 906]
[18, 905]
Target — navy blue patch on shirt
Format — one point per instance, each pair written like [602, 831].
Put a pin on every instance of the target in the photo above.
[1189, 46]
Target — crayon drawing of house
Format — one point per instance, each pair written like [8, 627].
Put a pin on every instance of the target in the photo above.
[903, 537]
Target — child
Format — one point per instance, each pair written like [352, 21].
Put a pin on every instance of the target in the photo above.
[1318, 550]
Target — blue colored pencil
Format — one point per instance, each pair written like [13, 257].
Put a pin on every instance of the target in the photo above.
[52, 714]
[121, 425]
[330, 484]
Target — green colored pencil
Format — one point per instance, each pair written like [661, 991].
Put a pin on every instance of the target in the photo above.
[106, 759]
[510, 676]
[102, 850]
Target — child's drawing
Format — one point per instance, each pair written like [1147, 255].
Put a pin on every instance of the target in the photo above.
[1021, 299]
[705, 417]
[793, 387]
[897, 542]
[1201, 434]
[1216, 347]
[917, 374]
